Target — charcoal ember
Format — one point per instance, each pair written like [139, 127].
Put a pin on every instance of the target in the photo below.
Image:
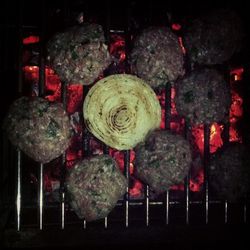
[94, 186]
[203, 96]
[162, 160]
[229, 172]
[79, 55]
[157, 56]
[39, 128]
[214, 37]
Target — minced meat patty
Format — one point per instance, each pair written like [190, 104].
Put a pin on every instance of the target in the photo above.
[214, 37]
[79, 55]
[39, 128]
[157, 56]
[94, 185]
[229, 172]
[203, 96]
[163, 160]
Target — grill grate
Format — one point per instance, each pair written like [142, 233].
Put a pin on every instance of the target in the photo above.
[145, 205]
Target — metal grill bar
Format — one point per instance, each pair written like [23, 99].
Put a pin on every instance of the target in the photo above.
[147, 205]
[106, 222]
[206, 166]
[126, 172]
[40, 195]
[85, 140]
[63, 161]
[18, 196]
[20, 90]
[41, 94]
[62, 210]
[245, 213]
[105, 151]
[187, 198]
[167, 109]
[226, 210]
[167, 207]
[187, 179]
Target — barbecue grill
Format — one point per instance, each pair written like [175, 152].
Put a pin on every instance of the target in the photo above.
[32, 215]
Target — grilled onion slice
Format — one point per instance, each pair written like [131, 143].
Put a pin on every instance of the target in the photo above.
[120, 110]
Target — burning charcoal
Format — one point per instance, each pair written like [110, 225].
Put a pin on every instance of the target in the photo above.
[229, 173]
[203, 96]
[79, 55]
[163, 160]
[94, 186]
[40, 129]
[120, 110]
[157, 56]
[213, 38]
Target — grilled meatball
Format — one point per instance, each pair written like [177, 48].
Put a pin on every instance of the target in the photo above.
[39, 128]
[203, 96]
[214, 37]
[163, 160]
[157, 57]
[94, 186]
[79, 55]
[229, 172]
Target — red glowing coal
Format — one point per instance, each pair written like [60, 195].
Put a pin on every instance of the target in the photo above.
[74, 108]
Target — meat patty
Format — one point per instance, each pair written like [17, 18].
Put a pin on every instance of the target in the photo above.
[229, 172]
[94, 186]
[203, 96]
[157, 56]
[79, 55]
[163, 160]
[39, 128]
[214, 37]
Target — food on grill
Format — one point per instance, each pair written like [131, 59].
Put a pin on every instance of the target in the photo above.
[79, 55]
[157, 56]
[40, 129]
[213, 38]
[120, 110]
[94, 186]
[229, 172]
[203, 96]
[163, 160]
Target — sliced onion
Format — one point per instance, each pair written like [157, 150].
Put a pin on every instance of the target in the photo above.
[120, 110]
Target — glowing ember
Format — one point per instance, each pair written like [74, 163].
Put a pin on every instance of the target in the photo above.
[52, 82]
[74, 97]
[182, 46]
[236, 110]
[237, 74]
[31, 39]
[234, 135]
[176, 26]
[74, 104]
[117, 47]
[196, 182]
[215, 137]
[137, 189]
